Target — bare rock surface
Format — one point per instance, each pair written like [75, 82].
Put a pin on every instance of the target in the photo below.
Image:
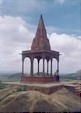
[34, 101]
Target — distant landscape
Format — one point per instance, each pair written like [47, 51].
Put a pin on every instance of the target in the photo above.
[63, 77]
[71, 76]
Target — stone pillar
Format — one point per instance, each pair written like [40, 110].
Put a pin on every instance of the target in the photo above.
[38, 66]
[47, 67]
[58, 67]
[51, 66]
[22, 66]
[31, 71]
[43, 66]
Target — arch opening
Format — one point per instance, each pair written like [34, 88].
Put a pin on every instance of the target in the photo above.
[27, 66]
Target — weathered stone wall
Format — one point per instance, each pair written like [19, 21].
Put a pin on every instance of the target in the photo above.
[39, 79]
[74, 90]
[47, 90]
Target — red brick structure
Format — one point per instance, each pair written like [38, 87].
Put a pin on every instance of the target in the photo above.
[40, 49]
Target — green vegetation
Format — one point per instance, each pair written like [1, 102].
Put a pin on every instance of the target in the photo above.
[72, 76]
[2, 86]
[22, 88]
[10, 77]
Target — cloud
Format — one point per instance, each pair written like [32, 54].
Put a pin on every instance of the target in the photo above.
[60, 1]
[1, 2]
[70, 49]
[16, 35]
[13, 29]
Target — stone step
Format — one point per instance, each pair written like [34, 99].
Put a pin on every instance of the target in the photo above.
[78, 88]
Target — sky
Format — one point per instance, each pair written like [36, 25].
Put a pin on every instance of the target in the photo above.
[18, 24]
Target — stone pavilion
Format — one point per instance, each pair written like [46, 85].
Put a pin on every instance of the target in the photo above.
[41, 49]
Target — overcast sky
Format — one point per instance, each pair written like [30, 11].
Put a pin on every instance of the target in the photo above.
[18, 24]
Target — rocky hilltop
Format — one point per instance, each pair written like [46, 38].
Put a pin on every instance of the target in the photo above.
[12, 99]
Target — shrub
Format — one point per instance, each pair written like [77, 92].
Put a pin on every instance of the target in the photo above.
[2, 86]
[21, 88]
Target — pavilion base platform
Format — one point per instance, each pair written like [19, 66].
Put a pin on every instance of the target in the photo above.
[46, 85]
[38, 79]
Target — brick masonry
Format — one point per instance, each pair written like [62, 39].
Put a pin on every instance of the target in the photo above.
[32, 79]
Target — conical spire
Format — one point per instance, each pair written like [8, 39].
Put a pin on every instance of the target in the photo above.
[41, 31]
[41, 23]
[40, 42]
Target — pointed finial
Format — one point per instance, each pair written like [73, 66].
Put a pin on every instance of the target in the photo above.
[41, 16]
[40, 41]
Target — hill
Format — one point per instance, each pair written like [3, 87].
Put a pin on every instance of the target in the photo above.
[16, 76]
[34, 101]
[72, 76]
[78, 74]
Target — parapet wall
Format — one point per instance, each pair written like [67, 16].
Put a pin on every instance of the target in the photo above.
[33, 79]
